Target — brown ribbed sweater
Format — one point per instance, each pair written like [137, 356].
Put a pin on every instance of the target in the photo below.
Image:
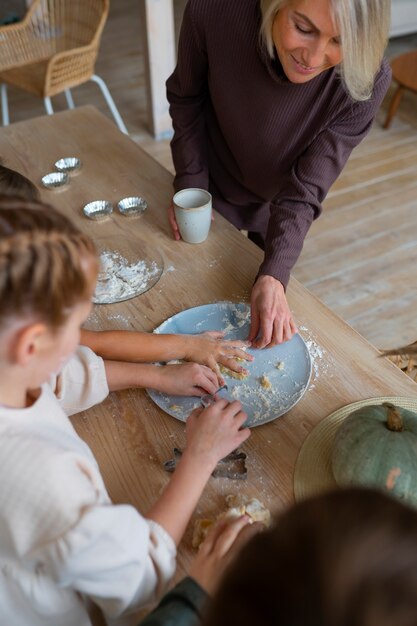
[267, 149]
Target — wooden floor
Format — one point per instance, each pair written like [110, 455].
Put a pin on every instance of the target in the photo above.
[360, 257]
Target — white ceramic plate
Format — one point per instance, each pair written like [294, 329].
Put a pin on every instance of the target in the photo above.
[287, 366]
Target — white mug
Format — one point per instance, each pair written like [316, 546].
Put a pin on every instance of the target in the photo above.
[192, 209]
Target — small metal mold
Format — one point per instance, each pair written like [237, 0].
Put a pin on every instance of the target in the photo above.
[133, 205]
[98, 210]
[68, 164]
[54, 180]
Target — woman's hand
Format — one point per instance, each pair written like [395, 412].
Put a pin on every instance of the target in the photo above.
[186, 379]
[212, 433]
[173, 222]
[212, 350]
[271, 318]
[221, 545]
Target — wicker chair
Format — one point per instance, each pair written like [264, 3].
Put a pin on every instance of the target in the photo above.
[53, 49]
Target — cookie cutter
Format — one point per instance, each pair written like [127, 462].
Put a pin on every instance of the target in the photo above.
[209, 398]
[231, 466]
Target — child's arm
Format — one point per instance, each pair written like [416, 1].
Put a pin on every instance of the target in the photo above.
[212, 433]
[186, 379]
[187, 601]
[209, 349]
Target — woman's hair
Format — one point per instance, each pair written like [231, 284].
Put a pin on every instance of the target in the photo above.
[347, 558]
[13, 183]
[364, 26]
[44, 268]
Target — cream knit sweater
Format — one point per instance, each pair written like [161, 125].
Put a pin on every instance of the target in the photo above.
[62, 542]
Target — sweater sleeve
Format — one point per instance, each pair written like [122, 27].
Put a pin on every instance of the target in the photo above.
[187, 91]
[182, 606]
[113, 555]
[81, 383]
[304, 189]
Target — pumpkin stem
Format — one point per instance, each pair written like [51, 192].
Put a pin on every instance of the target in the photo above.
[394, 419]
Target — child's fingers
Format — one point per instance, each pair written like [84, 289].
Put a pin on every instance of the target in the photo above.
[233, 365]
[194, 414]
[214, 366]
[228, 410]
[234, 409]
[222, 536]
[237, 350]
[242, 435]
[246, 533]
[229, 536]
[206, 379]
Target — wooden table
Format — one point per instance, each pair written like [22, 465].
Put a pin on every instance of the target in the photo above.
[129, 435]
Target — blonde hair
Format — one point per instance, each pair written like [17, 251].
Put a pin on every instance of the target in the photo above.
[43, 270]
[364, 26]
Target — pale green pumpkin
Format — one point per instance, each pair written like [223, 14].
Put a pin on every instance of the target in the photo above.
[376, 446]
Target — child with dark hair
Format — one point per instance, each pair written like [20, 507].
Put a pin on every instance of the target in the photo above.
[345, 558]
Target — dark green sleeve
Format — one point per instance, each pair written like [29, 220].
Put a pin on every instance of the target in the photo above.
[179, 607]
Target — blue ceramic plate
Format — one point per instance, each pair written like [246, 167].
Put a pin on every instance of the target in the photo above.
[287, 367]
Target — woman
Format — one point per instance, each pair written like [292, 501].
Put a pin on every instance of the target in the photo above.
[268, 100]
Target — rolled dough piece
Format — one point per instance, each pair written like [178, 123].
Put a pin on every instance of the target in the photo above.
[237, 506]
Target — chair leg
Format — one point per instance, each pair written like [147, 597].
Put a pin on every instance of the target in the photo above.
[48, 105]
[110, 102]
[70, 101]
[4, 105]
[394, 106]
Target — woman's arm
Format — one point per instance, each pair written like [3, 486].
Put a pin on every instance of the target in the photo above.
[299, 203]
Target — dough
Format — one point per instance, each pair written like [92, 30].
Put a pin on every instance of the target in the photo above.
[236, 507]
[265, 382]
[228, 372]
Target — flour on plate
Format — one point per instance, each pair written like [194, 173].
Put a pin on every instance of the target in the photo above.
[118, 279]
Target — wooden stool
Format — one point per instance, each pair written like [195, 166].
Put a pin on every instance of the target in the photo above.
[404, 72]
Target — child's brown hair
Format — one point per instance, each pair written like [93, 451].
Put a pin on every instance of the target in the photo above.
[345, 558]
[13, 183]
[44, 262]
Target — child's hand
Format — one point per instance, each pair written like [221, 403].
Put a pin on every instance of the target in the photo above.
[218, 549]
[212, 433]
[186, 379]
[212, 350]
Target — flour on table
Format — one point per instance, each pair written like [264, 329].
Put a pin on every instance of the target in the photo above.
[119, 279]
[321, 361]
